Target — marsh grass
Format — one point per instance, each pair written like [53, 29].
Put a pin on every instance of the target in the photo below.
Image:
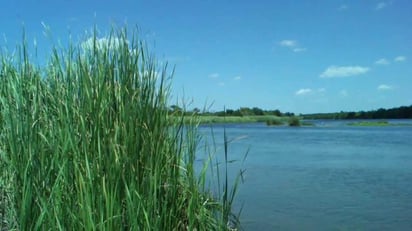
[275, 122]
[87, 144]
[377, 123]
[210, 119]
[294, 121]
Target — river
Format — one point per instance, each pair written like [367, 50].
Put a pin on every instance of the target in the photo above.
[325, 177]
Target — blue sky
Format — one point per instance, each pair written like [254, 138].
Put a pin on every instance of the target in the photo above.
[295, 56]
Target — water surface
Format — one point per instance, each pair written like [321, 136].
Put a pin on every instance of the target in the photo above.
[327, 177]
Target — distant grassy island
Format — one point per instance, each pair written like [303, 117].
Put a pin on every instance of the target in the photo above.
[376, 123]
[369, 123]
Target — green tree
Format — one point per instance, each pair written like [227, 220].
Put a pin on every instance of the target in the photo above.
[257, 111]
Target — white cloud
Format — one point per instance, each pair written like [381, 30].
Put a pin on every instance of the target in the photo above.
[382, 61]
[288, 43]
[343, 71]
[298, 49]
[214, 75]
[380, 5]
[103, 43]
[384, 87]
[221, 84]
[343, 7]
[303, 91]
[237, 78]
[320, 90]
[400, 59]
[292, 44]
[343, 93]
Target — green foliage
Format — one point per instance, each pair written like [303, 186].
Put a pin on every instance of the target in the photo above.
[257, 111]
[235, 119]
[88, 144]
[404, 112]
[275, 122]
[246, 111]
[294, 121]
[306, 123]
[369, 123]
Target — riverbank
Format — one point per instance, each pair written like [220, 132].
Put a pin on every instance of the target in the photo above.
[272, 120]
[210, 119]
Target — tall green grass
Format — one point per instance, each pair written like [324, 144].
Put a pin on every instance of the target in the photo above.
[87, 144]
[207, 119]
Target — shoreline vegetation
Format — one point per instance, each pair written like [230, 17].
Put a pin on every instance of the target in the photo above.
[379, 123]
[293, 121]
[85, 144]
[376, 123]
[288, 121]
[89, 142]
[277, 118]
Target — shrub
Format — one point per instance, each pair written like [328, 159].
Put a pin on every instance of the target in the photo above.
[294, 121]
[274, 122]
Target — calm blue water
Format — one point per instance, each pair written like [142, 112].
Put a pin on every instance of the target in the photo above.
[327, 177]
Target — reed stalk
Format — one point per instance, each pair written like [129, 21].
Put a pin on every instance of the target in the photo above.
[87, 143]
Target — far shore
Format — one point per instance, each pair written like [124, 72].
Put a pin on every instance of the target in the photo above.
[211, 119]
[272, 120]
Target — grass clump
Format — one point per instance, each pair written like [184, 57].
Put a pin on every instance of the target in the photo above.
[213, 119]
[87, 144]
[369, 123]
[307, 123]
[274, 122]
[294, 121]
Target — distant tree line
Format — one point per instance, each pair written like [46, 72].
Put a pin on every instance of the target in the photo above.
[404, 112]
[242, 111]
[254, 111]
